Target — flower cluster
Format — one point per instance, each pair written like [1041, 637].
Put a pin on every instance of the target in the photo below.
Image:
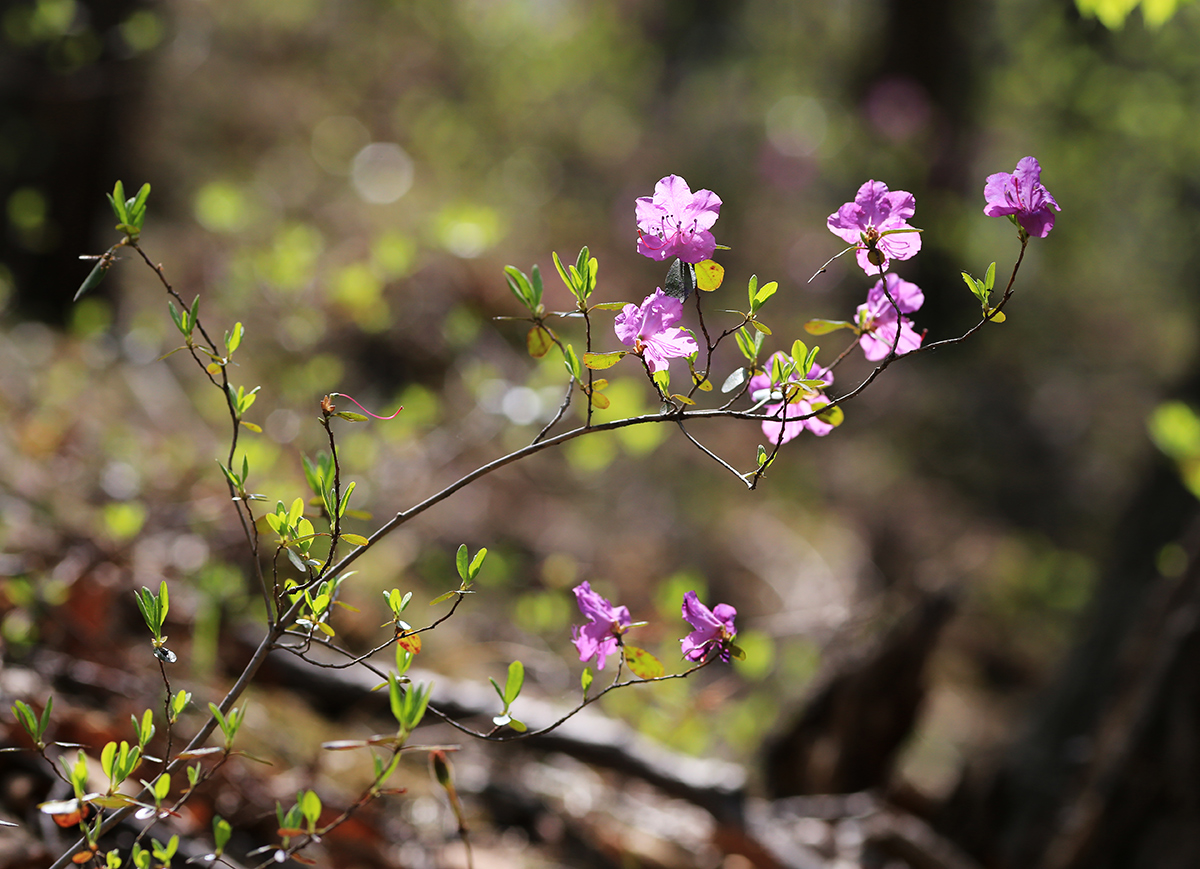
[713, 633]
[600, 637]
[652, 330]
[876, 223]
[804, 402]
[879, 318]
[675, 222]
[1022, 195]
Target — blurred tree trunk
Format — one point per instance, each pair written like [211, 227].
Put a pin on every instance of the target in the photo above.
[67, 94]
[1106, 773]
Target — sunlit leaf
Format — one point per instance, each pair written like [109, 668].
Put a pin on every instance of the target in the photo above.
[600, 361]
[642, 664]
[538, 342]
[709, 275]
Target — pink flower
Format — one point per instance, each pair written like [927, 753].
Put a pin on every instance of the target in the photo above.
[675, 222]
[877, 319]
[1022, 194]
[865, 221]
[761, 387]
[651, 331]
[598, 638]
[714, 628]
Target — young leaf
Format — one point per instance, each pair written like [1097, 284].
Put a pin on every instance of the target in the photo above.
[516, 679]
[824, 327]
[461, 561]
[476, 564]
[585, 680]
[763, 294]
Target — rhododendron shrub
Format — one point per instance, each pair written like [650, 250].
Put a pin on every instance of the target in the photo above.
[704, 362]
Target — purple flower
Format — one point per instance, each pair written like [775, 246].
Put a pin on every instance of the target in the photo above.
[1022, 194]
[714, 628]
[760, 387]
[598, 638]
[651, 331]
[675, 222]
[874, 212]
[877, 319]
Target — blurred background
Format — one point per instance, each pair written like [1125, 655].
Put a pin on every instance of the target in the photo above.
[973, 602]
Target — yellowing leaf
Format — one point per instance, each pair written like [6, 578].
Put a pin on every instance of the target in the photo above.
[600, 401]
[642, 664]
[599, 361]
[709, 275]
[355, 539]
[410, 643]
[538, 342]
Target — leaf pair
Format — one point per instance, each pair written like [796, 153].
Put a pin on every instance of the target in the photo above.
[512, 688]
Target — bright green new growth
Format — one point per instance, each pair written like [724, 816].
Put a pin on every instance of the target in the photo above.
[510, 692]
[34, 725]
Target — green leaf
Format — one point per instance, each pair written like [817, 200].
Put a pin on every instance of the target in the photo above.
[519, 284]
[760, 327]
[351, 416]
[562, 273]
[585, 680]
[572, 363]
[609, 306]
[310, 807]
[516, 679]
[356, 539]
[763, 294]
[117, 199]
[95, 276]
[800, 354]
[600, 361]
[977, 288]
[642, 664]
[476, 564]
[107, 756]
[752, 290]
[461, 561]
[500, 694]
[517, 725]
[137, 211]
[535, 280]
[162, 786]
[989, 279]
[222, 832]
[824, 327]
[443, 597]
[997, 317]
[746, 344]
